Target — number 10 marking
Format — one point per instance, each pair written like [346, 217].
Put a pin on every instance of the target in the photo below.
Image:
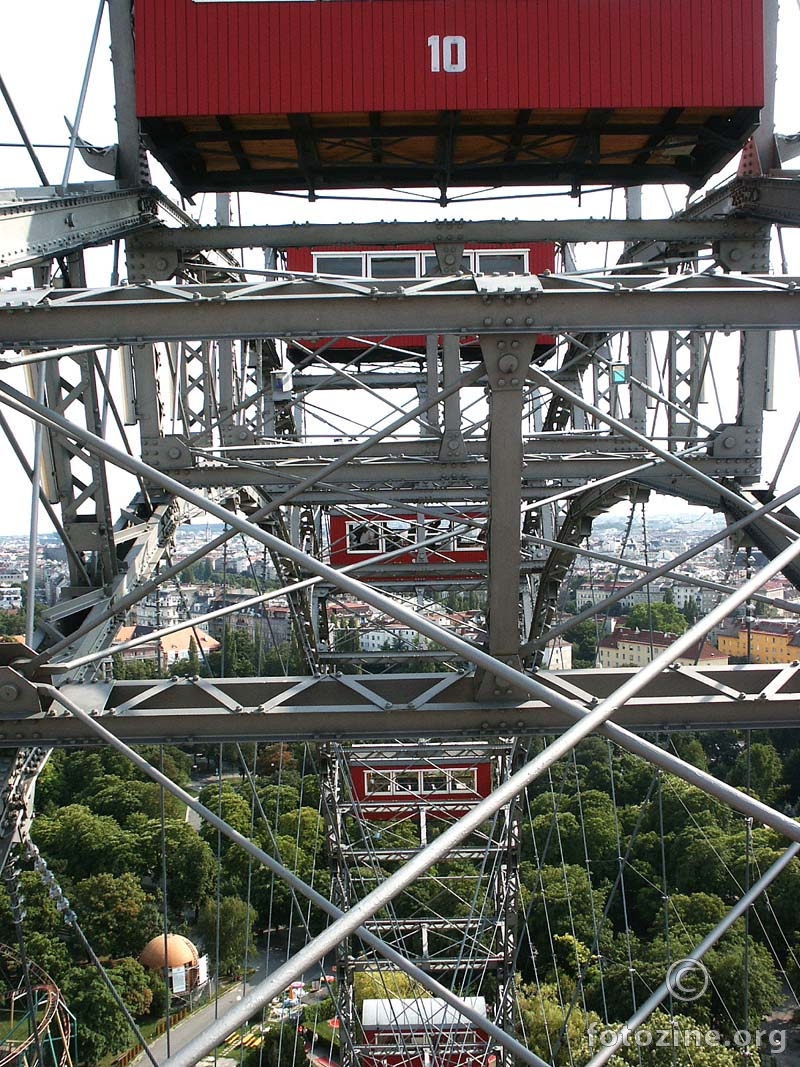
[448, 54]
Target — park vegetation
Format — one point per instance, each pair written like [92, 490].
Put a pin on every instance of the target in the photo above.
[622, 870]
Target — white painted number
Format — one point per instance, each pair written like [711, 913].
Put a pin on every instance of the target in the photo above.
[448, 54]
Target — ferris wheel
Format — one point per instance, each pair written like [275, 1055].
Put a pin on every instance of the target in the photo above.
[404, 434]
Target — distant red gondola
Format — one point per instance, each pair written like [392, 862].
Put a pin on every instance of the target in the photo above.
[407, 261]
[360, 534]
[447, 788]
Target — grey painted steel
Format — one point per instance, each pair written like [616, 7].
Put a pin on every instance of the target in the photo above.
[35, 230]
[139, 313]
[670, 458]
[697, 953]
[764, 134]
[345, 923]
[132, 167]
[128, 599]
[769, 199]
[271, 710]
[587, 721]
[659, 572]
[144, 549]
[467, 477]
[359, 235]
[244, 605]
[33, 534]
[506, 361]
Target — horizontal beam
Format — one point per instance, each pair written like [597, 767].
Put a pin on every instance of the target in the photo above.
[469, 477]
[327, 708]
[774, 199]
[426, 448]
[36, 230]
[465, 305]
[359, 235]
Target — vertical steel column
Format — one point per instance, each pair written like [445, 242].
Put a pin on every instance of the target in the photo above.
[507, 897]
[506, 360]
[340, 893]
[132, 168]
[764, 137]
[430, 387]
[452, 441]
[755, 385]
[224, 361]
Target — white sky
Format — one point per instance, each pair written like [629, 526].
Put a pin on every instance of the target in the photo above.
[43, 52]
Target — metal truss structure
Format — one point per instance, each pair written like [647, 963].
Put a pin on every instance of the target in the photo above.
[461, 936]
[533, 405]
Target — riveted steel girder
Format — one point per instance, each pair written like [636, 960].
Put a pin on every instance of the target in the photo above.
[326, 708]
[364, 234]
[516, 304]
[33, 229]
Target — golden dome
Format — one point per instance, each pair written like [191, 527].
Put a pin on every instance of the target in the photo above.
[180, 952]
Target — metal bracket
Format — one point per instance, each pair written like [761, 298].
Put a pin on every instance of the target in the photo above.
[488, 687]
[508, 283]
[747, 257]
[169, 454]
[17, 695]
[449, 251]
[506, 359]
[736, 442]
[146, 263]
[237, 435]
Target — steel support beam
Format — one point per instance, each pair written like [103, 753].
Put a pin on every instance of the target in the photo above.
[468, 476]
[363, 234]
[597, 717]
[137, 314]
[35, 230]
[289, 709]
[506, 361]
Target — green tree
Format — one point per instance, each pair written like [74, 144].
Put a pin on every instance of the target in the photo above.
[657, 616]
[379, 983]
[41, 914]
[234, 924]
[80, 843]
[583, 639]
[305, 826]
[690, 611]
[102, 1028]
[274, 760]
[558, 1038]
[564, 902]
[193, 660]
[672, 1041]
[762, 769]
[230, 805]
[134, 669]
[121, 798]
[730, 966]
[277, 799]
[283, 1047]
[190, 862]
[116, 914]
